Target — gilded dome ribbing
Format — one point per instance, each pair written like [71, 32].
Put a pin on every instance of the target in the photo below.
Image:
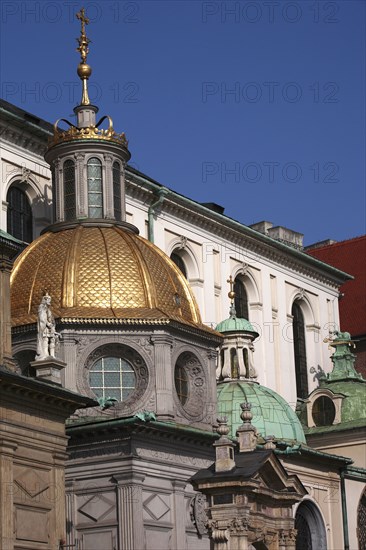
[100, 273]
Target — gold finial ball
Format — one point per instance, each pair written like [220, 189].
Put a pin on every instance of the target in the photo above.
[231, 295]
[84, 70]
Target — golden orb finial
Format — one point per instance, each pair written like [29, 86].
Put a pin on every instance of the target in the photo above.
[84, 70]
[231, 295]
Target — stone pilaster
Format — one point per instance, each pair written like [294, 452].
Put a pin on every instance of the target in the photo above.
[69, 356]
[81, 188]
[129, 503]
[7, 450]
[5, 316]
[163, 376]
[59, 460]
[108, 187]
[179, 514]
[123, 192]
[70, 513]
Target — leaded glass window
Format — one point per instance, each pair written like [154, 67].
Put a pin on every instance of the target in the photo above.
[117, 190]
[241, 300]
[19, 215]
[298, 325]
[112, 377]
[181, 383]
[95, 188]
[69, 190]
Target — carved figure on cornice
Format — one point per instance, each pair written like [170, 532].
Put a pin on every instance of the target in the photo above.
[198, 513]
[47, 336]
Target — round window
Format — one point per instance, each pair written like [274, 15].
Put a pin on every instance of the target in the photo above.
[323, 411]
[112, 377]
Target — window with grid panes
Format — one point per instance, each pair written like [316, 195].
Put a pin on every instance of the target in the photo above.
[181, 383]
[112, 377]
[19, 215]
[95, 188]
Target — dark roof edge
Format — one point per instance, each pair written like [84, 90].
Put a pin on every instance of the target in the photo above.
[337, 274]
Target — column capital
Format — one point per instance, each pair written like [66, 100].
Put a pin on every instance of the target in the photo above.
[162, 340]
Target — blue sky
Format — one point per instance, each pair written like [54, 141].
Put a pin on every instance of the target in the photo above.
[256, 105]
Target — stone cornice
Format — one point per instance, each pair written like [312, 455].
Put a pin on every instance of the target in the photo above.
[22, 137]
[52, 398]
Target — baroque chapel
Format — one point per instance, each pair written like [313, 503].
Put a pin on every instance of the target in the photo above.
[187, 428]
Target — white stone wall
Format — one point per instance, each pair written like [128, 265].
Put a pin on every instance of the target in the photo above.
[210, 259]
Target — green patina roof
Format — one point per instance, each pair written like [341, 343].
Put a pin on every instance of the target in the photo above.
[354, 403]
[271, 414]
[234, 324]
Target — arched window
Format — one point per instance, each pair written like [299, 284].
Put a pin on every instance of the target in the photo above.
[95, 188]
[179, 263]
[19, 215]
[311, 533]
[241, 299]
[298, 326]
[117, 191]
[361, 521]
[323, 411]
[181, 383]
[69, 190]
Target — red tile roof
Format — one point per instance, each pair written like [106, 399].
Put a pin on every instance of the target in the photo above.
[349, 256]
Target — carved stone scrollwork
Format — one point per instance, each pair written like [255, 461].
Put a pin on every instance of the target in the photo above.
[218, 531]
[239, 526]
[301, 293]
[198, 513]
[287, 537]
[183, 243]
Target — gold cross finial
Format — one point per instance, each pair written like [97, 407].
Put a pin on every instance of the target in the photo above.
[83, 39]
[84, 70]
[84, 20]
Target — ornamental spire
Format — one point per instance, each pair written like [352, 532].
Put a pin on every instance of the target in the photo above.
[84, 70]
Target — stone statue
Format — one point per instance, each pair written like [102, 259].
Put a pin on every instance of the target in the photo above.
[46, 329]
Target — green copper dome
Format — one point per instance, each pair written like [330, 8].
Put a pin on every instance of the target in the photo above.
[234, 324]
[271, 414]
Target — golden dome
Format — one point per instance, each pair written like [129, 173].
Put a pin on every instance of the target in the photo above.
[100, 273]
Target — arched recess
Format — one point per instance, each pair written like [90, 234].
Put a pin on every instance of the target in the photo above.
[188, 258]
[361, 521]
[311, 533]
[307, 308]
